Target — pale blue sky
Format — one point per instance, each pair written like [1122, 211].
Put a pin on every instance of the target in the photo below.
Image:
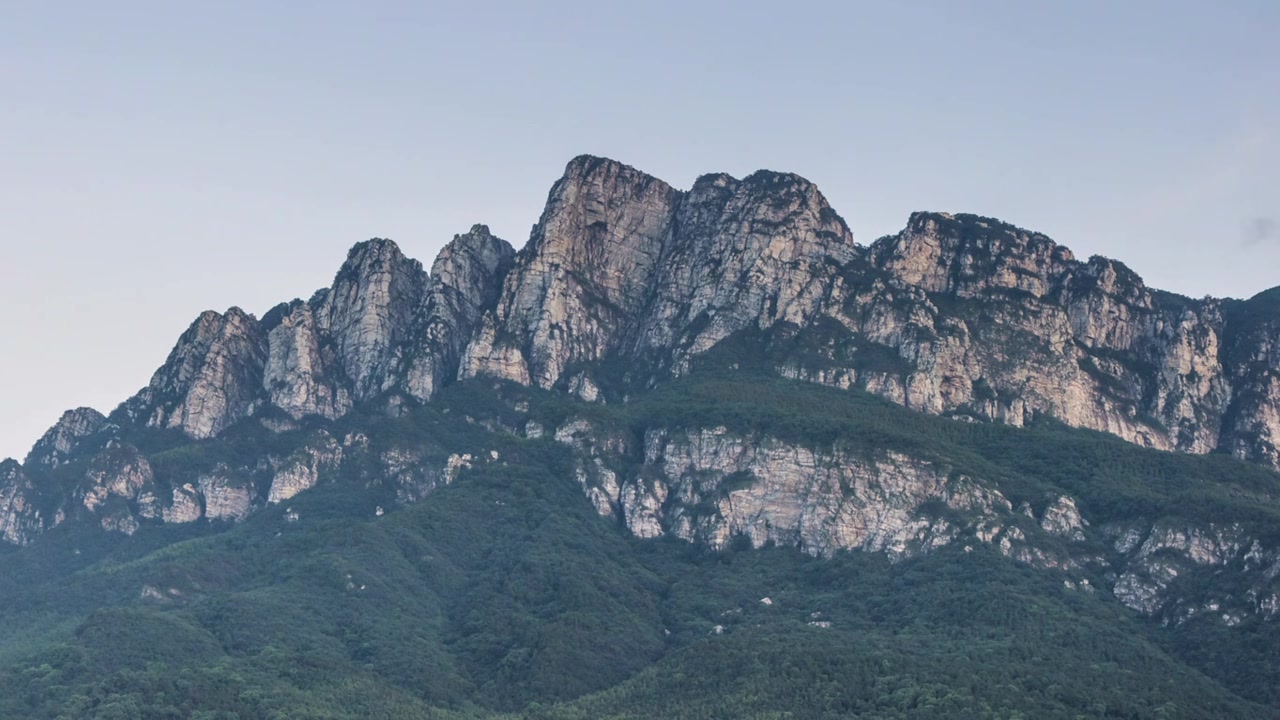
[161, 158]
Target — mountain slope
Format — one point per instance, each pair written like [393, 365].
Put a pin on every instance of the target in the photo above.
[971, 474]
[506, 590]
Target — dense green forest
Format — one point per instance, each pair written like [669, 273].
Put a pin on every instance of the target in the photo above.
[505, 594]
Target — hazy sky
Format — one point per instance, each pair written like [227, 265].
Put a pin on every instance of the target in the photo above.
[161, 158]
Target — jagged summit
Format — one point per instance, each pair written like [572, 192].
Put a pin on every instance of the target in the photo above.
[623, 264]
[56, 445]
[957, 314]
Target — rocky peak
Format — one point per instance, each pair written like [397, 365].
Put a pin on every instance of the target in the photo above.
[53, 448]
[300, 375]
[756, 251]
[585, 273]
[466, 280]
[465, 269]
[368, 310]
[210, 379]
[969, 254]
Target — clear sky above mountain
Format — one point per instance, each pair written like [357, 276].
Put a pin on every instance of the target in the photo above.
[161, 158]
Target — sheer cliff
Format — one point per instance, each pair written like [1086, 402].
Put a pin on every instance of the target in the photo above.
[677, 429]
[628, 284]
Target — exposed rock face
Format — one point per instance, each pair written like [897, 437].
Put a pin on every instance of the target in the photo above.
[185, 505]
[226, 496]
[117, 472]
[466, 279]
[623, 262]
[1063, 519]
[210, 380]
[301, 374]
[368, 311]
[1251, 347]
[998, 323]
[955, 314]
[970, 316]
[304, 468]
[1158, 555]
[20, 519]
[56, 445]
[746, 253]
[584, 276]
[959, 315]
[710, 485]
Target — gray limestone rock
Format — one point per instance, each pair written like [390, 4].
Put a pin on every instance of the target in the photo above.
[55, 446]
[301, 373]
[582, 279]
[466, 280]
[227, 495]
[305, 467]
[210, 380]
[368, 310]
[20, 517]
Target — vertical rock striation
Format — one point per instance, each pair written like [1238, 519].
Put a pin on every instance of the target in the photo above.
[368, 310]
[957, 315]
[57, 444]
[20, 517]
[466, 279]
[210, 380]
[582, 279]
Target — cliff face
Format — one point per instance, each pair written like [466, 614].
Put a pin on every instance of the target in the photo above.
[466, 279]
[623, 264]
[209, 381]
[383, 326]
[583, 278]
[710, 485]
[954, 315]
[993, 322]
[55, 447]
[626, 283]
[20, 517]
[957, 315]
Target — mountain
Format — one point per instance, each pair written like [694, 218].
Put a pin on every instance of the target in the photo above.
[565, 481]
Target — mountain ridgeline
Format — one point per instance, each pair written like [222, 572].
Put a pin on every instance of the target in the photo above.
[710, 370]
[956, 315]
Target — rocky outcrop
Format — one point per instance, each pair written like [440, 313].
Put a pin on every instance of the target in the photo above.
[583, 278]
[1158, 555]
[745, 253]
[304, 468]
[627, 282]
[184, 506]
[622, 262]
[957, 314]
[710, 485]
[301, 374]
[117, 472]
[1251, 349]
[55, 447]
[713, 485]
[1062, 518]
[775, 492]
[368, 310]
[466, 279]
[974, 317]
[20, 517]
[227, 495]
[211, 379]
